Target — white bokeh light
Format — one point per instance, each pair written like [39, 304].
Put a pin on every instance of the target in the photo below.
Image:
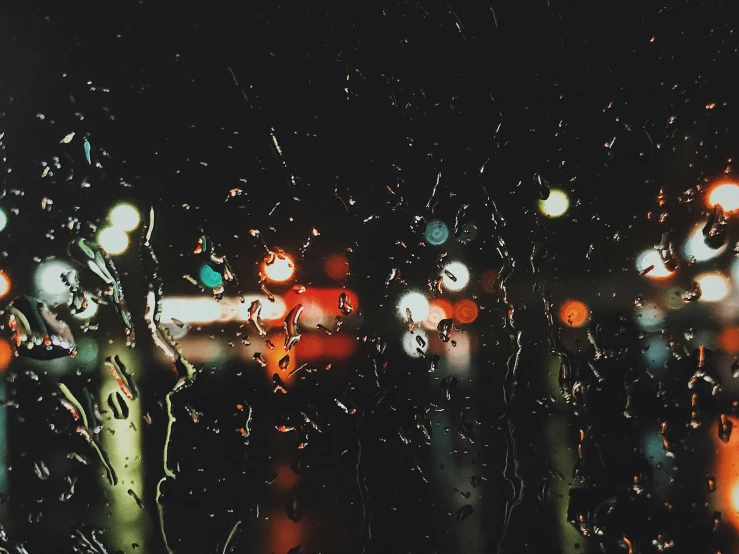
[124, 217]
[695, 246]
[416, 303]
[47, 280]
[3, 219]
[650, 317]
[113, 240]
[411, 342]
[714, 286]
[556, 205]
[652, 258]
[460, 272]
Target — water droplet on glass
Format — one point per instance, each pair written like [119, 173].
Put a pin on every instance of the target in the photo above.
[37, 332]
[464, 512]
[345, 304]
[292, 330]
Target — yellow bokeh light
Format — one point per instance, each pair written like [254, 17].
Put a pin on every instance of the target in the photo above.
[714, 286]
[278, 267]
[4, 284]
[725, 194]
[113, 240]
[735, 497]
[651, 258]
[556, 205]
[124, 217]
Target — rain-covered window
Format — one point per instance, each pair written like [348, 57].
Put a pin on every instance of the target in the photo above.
[395, 277]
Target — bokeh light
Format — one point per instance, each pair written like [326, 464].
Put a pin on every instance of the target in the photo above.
[574, 313]
[651, 258]
[461, 276]
[465, 311]
[209, 277]
[650, 317]
[556, 205]
[113, 240]
[436, 232]
[695, 246]
[735, 497]
[726, 195]
[6, 355]
[4, 284]
[48, 283]
[489, 279]
[413, 342]
[3, 219]
[438, 309]
[278, 267]
[714, 286]
[124, 217]
[729, 339]
[416, 303]
[336, 267]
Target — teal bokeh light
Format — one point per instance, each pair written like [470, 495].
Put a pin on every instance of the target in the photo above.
[209, 277]
[436, 233]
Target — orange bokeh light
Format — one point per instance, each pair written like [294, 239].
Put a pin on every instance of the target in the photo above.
[4, 284]
[729, 339]
[336, 267]
[725, 194]
[488, 280]
[574, 313]
[6, 355]
[278, 267]
[465, 311]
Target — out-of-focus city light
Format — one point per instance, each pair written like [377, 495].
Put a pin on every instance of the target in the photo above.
[574, 313]
[209, 310]
[726, 195]
[465, 311]
[460, 273]
[417, 304]
[650, 317]
[124, 217]
[488, 280]
[3, 219]
[673, 298]
[651, 258]
[413, 342]
[278, 267]
[209, 277]
[436, 232]
[6, 355]
[655, 354]
[458, 357]
[48, 282]
[336, 267]
[695, 246]
[87, 351]
[714, 286]
[4, 284]
[729, 339]
[89, 312]
[735, 497]
[556, 205]
[438, 309]
[113, 240]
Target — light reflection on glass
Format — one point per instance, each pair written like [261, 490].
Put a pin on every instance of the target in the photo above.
[696, 248]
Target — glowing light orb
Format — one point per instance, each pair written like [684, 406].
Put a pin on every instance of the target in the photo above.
[650, 317]
[574, 313]
[4, 284]
[124, 217]
[412, 342]
[279, 267]
[696, 247]
[436, 232]
[735, 497]
[209, 277]
[725, 194]
[465, 311]
[113, 240]
[438, 310]
[461, 276]
[714, 287]
[48, 281]
[650, 258]
[416, 303]
[3, 219]
[556, 205]
[336, 267]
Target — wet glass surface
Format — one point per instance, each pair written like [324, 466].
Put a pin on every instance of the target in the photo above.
[378, 278]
